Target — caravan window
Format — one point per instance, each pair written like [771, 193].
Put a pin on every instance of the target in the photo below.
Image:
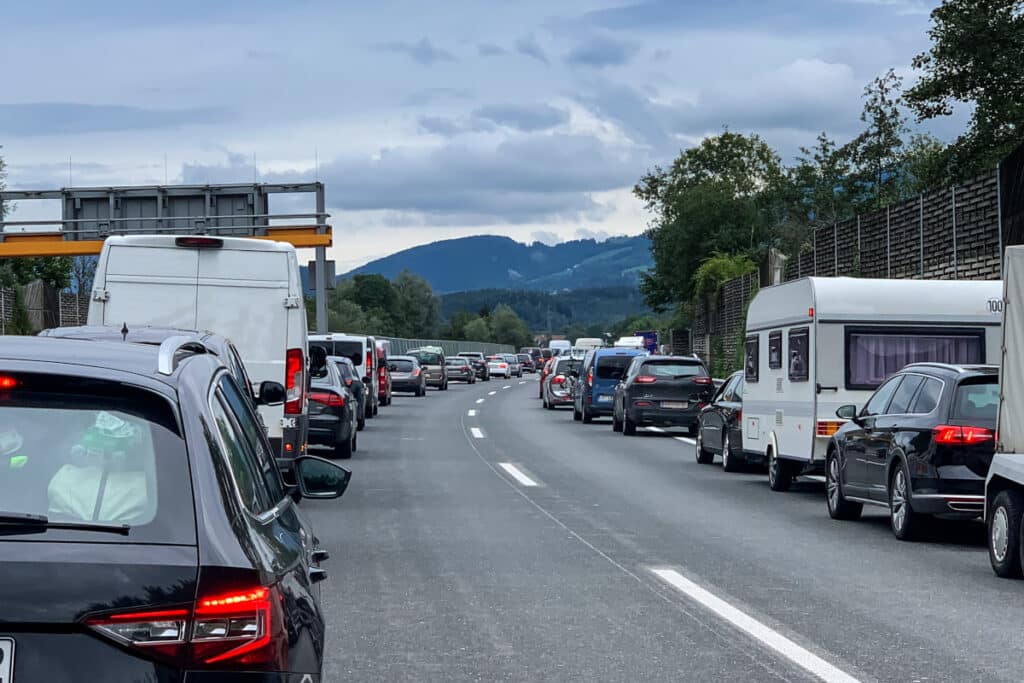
[874, 354]
[774, 350]
[752, 358]
[799, 358]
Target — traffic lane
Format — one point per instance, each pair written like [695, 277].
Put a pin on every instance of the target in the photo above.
[440, 570]
[890, 609]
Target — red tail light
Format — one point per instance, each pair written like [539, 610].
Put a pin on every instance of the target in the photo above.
[558, 379]
[7, 382]
[294, 381]
[502, 365]
[739, 416]
[704, 381]
[646, 379]
[590, 376]
[241, 630]
[416, 372]
[327, 398]
[369, 361]
[199, 242]
[955, 435]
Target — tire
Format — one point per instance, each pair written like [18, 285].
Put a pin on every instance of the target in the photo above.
[344, 450]
[838, 506]
[361, 424]
[906, 524]
[628, 426]
[704, 456]
[729, 462]
[1005, 518]
[376, 408]
[616, 423]
[576, 415]
[587, 416]
[355, 442]
[780, 475]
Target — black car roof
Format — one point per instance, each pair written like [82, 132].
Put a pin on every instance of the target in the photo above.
[138, 359]
[948, 369]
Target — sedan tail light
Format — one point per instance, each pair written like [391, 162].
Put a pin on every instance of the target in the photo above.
[327, 398]
[705, 381]
[646, 379]
[242, 630]
[294, 381]
[956, 435]
[416, 372]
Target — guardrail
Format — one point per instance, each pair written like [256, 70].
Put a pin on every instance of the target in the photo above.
[451, 347]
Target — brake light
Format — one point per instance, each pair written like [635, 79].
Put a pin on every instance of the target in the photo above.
[199, 242]
[294, 381]
[558, 379]
[646, 379]
[828, 427]
[590, 376]
[416, 372]
[703, 380]
[7, 382]
[241, 630]
[739, 415]
[327, 398]
[955, 435]
[369, 361]
[502, 365]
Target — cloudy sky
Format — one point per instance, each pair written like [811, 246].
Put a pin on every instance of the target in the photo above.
[430, 120]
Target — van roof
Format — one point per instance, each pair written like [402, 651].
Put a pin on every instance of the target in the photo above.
[874, 300]
[229, 243]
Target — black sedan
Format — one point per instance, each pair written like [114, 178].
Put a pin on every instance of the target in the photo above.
[151, 537]
[460, 370]
[349, 375]
[921, 446]
[333, 412]
[720, 427]
[667, 391]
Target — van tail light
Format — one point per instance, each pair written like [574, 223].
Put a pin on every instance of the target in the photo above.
[199, 242]
[369, 361]
[828, 427]
[327, 398]
[955, 435]
[646, 379]
[703, 381]
[294, 381]
[739, 416]
[590, 376]
[241, 630]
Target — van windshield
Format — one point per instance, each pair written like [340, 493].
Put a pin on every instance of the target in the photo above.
[612, 367]
[352, 350]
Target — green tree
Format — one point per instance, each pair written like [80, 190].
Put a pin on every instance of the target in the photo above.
[456, 325]
[877, 152]
[976, 59]
[508, 328]
[478, 330]
[717, 196]
[374, 292]
[417, 308]
[925, 165]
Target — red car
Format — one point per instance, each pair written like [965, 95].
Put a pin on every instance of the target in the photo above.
[383, 378]
[544, 372]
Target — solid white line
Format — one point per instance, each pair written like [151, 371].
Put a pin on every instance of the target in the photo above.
[476, 432]
[516, 474]
[481, 400]
[659, 430]
[471, 413]
[686, 439]
[816, 477]
[491, 393]
[507, 386]
[767, 636]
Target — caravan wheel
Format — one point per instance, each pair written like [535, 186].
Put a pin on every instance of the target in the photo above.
[780, 473]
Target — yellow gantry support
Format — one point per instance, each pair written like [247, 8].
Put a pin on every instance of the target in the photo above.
[54, 244]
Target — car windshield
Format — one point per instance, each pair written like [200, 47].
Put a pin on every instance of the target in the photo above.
[343, 370]
[461, 362]
[612, 367]
[427, 357]
[402, 365]
[977, 400]
[673, 369]
[564, 367]
[352, 350]
[117, 457]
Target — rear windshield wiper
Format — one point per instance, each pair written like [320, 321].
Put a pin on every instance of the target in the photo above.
[27, 521]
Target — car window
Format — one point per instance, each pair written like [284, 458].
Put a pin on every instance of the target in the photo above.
[251, 428]
[327, 378]
[344, 371]
[427, 357]
[237, 368]
[612, 367]
[673, 369]
[976, 400]
[738, 390]
[402, 365]
[904, 395]
[877, 403]
[241, 460]
[927, 397]
[728, 392]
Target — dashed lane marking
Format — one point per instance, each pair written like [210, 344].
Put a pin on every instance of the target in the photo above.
[517, 474]
[507, 386]
[480, 400]
[685, 439]
[491, 393]
[476, 432]
[471, 413]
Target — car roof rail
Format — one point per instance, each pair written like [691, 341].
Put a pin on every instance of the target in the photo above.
[935, 364]
[171, 349]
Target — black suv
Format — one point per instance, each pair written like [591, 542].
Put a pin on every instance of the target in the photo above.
[146, 534]
[668, 391]
[921, 446]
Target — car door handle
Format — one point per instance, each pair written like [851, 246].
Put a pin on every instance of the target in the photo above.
[316, 575]
[319, 555]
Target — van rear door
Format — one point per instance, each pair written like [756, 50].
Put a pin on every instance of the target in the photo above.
[136, 278]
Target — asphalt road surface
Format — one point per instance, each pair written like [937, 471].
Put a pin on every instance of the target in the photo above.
[513, 544]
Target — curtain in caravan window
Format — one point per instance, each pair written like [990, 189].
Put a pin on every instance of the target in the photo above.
[872, 357]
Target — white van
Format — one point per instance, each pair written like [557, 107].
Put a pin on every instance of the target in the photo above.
[245, 289]
[559, 347]
[816, 344]
[362, 351]
[587, 343]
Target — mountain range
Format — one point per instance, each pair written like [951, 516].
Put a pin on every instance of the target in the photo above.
[494, 262]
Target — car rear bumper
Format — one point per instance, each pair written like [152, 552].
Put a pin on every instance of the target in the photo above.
[328, 430]
[664, 417]
[403, 385]
[949, 496]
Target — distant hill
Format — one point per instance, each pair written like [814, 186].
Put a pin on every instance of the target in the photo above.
[493, 262]
[553, 311]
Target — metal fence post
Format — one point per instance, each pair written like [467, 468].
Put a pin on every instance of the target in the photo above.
[814, 252]
[835, 248]
[920, 227]
[956, 271]
[860, 262]
[888, 243]
[999, 213]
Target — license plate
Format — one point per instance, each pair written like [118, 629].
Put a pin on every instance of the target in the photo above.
[675, 405]
[604, 399]
[6, 660]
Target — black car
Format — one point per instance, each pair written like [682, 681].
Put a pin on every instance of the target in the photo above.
[460, 370]
[526, 362]
[667, 391]
[479, 363]
[150, 537]
[720, 427]
[921, 446]
[333, 412]
[349, 375]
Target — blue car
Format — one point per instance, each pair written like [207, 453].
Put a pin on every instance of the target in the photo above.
[600, 374]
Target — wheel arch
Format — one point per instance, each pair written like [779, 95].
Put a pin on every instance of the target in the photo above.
[996, 485]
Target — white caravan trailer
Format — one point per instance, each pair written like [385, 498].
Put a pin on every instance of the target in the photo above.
[629, 343]
[816, 344]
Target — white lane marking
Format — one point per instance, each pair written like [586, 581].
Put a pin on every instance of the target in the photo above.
[507, 386]
[686, 439]
[517, 474]
[481, 400]
[816, 477]
[491, 393]
[471, 413]
[659, 430]
[476, 432]
[522, 382]
[769, 637]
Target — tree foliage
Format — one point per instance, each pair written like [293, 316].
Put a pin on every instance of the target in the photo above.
[718, 269]
[976, 59]
[876, 154]
[373, 304]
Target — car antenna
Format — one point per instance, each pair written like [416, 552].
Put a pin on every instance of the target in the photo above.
[124, 332]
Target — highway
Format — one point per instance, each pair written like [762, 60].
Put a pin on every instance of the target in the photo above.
[485, 538]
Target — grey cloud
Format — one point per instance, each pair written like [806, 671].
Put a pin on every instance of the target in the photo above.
[531, 48]
[431, 95]
[490, 50]
[602, 51]
[523, 117]
[422, 51]
[450, 127]
[73, 118]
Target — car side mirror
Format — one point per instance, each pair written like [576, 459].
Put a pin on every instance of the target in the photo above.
[847, 412]
[319, 478]
[271, 393]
